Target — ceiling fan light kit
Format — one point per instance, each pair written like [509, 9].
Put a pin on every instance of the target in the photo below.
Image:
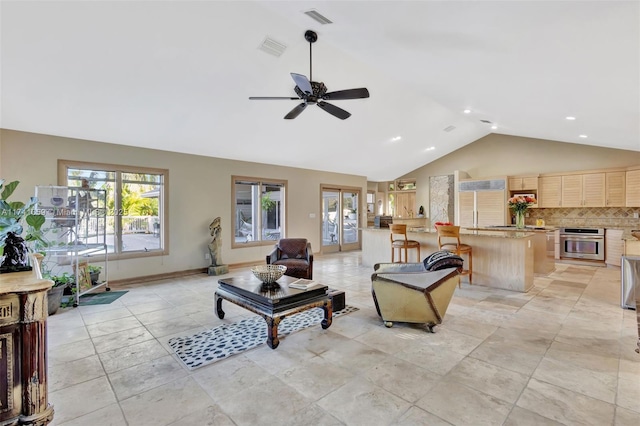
[313, 92]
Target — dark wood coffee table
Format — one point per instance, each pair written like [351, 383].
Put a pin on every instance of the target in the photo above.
[272, 302]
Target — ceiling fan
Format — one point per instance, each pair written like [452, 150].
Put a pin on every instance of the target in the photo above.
[313, 92]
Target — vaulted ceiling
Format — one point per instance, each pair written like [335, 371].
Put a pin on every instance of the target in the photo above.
[177, 75]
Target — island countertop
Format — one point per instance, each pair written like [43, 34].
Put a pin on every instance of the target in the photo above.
[485, 232]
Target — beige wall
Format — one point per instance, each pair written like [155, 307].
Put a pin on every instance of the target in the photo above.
[503, 155]
[200, 190]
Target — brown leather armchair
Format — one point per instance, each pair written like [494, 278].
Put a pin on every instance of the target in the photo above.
[296, 255]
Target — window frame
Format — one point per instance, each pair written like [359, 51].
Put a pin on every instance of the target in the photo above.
[262, 182]
[163, 202]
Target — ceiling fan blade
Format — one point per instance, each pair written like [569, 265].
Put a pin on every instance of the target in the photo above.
[262, 98]
[334, 110]
[302, 82]
[347, 94]
[296, 111]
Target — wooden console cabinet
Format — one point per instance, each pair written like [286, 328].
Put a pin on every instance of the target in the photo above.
[23, 349]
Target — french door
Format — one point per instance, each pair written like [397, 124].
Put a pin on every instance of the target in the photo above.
[340, 219]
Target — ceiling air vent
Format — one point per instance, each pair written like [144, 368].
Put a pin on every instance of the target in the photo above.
[449, 128]
[272, 47]
[315, 15]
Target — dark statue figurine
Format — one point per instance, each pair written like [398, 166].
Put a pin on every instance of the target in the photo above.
[15, 254]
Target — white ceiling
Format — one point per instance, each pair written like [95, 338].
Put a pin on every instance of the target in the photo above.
[177, 75]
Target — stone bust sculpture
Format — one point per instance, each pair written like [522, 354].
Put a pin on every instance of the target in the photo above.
[215, 246]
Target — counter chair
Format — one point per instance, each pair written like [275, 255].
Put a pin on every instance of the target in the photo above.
[399, 240]
[449, 240]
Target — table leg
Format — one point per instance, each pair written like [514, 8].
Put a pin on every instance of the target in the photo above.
[328, 314]
[272, 332]
[219, 310]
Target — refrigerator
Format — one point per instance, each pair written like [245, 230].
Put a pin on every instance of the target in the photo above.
[630, 270]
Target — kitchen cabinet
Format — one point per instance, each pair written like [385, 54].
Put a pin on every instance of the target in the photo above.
[615, 189]
[550, 191]
[406, 204]
[523, 184]
[613, 246]
[632, 188]
[632, 247]
[482, 203]
[583, 190]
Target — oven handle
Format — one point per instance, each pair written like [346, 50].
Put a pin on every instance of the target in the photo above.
[581, 237]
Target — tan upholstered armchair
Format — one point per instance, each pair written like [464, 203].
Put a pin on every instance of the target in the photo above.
[411, 293]
[296, 255]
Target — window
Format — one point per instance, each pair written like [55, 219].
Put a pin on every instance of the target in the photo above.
[258, 210]
[136, 212]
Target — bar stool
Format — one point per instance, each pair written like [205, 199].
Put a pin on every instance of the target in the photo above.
[403, 242]
[449, 232]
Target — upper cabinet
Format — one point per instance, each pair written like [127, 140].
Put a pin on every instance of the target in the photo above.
[632, 189]
[523, 184]
[615, 184]
[584, 190]
[550, 191]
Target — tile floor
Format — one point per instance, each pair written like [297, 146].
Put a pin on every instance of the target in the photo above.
[561, 354]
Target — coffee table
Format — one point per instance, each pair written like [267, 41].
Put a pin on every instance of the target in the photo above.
[273, 302]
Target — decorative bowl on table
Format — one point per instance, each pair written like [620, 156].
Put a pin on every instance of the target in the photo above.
[268, 274]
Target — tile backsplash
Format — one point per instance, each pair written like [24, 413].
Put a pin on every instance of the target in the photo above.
[597, 217]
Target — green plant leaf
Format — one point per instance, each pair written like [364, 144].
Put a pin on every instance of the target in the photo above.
[8, 189]
[35, 220]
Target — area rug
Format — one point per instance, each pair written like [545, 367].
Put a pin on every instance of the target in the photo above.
[103, 298]
[225, 340]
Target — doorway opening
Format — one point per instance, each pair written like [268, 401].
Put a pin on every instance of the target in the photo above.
[340, 219]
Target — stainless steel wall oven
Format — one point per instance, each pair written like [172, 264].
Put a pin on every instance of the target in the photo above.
[582, 243]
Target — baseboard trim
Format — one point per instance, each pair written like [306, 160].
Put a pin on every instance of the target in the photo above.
[175, 274]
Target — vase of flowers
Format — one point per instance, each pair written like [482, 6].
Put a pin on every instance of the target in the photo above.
[519, 206]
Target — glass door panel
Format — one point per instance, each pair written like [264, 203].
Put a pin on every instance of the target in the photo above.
[350, 219]
[340, 220]
[330, 221]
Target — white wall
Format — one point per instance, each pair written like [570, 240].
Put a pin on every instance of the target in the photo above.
[199, 191]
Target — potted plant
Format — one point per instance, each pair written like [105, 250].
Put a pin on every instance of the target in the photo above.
[54, 295]
[13, 247]
[94, 272]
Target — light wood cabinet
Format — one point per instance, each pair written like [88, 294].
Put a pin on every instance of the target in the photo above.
[614, 246]
[550, 191]
[491, 208]
[466, 208]
[523, 184]
[406, 204]
[615, 183]
[587, 190]
[632, 247]
[632, 188]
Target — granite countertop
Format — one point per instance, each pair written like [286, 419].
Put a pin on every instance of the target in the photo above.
[484, 232]
[512, 228]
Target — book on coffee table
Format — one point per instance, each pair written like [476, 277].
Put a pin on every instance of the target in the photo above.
[303, 284]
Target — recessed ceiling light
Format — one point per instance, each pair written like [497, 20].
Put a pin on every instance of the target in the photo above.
[570, 118]
[431, 148]
[396, 138]
[494, 127]
[467, 111]
[583, 136]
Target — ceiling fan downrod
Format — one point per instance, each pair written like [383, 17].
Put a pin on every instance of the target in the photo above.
[311, 37]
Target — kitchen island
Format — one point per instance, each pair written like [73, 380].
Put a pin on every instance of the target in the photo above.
[502, 258]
